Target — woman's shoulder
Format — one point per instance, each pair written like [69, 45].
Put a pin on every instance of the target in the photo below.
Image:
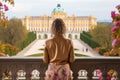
[68, 40]
[48, 41]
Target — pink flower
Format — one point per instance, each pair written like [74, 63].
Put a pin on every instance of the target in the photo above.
[113, 15]
[114, 29]
[118, 6]
[113, 78]
[117, 23]
[117, 15]
[99, 74]
[1, 4]
[108, 77]
[6, 7]
[98, 71]
[115, 41]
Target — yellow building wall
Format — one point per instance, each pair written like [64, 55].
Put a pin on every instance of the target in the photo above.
[73, 23]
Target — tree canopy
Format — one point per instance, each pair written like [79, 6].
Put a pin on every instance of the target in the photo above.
[102, 34]
[14, 33]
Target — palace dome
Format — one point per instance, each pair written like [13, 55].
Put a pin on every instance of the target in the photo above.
[58, 9]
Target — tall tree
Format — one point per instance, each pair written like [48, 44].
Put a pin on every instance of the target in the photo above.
[102, 35]
[15, 32]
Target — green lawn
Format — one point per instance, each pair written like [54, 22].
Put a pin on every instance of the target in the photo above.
[36, 55]
[43, 49]
[80, 55]
[76, 49]
[41, 54]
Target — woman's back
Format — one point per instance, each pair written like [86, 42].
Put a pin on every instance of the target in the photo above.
[59, 50]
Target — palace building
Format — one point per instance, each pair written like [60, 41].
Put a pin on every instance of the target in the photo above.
[75, 24]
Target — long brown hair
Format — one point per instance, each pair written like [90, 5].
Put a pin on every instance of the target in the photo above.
[58, 27]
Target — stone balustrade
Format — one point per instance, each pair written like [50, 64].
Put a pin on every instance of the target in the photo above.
[84, 68]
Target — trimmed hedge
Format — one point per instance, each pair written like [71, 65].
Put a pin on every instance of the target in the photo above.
[87, 34]
[87, 39]
[30, 38]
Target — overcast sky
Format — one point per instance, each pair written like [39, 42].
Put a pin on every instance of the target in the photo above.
[101, 9]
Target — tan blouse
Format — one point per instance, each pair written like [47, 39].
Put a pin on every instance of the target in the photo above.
[58, 50]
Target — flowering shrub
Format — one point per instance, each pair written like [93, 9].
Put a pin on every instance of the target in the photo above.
[115, 33]
[11, 2]
[112, 75]
[99, 74]
[8, 49]
[3, 18]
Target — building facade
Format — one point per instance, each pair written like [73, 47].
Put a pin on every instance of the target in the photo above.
[74, 24]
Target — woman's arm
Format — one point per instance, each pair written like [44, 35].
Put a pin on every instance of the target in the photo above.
[71, 54]
[46, 55]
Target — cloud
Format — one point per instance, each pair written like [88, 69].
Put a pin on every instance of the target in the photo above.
[78, 7]
[21, 7]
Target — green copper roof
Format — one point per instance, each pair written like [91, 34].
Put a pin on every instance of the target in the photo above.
[58, 8]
